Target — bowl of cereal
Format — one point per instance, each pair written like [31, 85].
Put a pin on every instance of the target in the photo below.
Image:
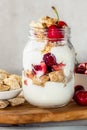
[10, 85]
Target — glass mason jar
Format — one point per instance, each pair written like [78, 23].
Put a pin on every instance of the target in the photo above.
[48, 75]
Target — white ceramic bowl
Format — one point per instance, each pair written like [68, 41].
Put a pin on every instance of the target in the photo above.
[9, 94]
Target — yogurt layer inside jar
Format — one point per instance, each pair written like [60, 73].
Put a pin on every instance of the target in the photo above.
[48, 62]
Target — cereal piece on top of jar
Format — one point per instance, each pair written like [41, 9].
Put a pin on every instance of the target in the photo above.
[48, 21]
[36, 25]
[57, 76]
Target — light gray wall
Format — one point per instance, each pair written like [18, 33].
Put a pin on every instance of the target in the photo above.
[15, 16]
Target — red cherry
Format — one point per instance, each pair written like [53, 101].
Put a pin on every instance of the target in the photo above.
[49, 59]
[78, 87]
[58, 66]
[62, 24]
[81, 97]
[81, 65]
[54, 33]
[38, 67]
[42, 67]
[49, 69]
[85, 71]
[86, 65]
[81, 68]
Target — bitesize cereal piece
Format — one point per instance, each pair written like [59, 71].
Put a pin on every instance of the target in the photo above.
[3, 76]
[37, 81]
[1, 81]
[41, 80]
[3, 104]
[4, 72]
[4, 87]
[44, 78]
[48, 47]
[13, 83]
[16, 101]
[36, 25]
[18, 78]
[57, 76]
[48, 21]
[28, 74]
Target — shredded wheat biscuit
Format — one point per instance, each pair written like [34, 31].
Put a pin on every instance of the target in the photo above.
[1, 81]
[4, 87]
[48, 21]
[57, 76]
[41, 80]
[3, 104]
[18, 78]
[4, 72]
[16, 101]
[3, 76]
[12, 82]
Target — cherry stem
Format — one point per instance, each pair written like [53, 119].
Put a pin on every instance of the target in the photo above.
[55, 10]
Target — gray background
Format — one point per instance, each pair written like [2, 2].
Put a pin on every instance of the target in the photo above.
[15, 16]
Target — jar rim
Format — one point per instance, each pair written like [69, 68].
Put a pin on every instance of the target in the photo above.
[62, 29]
[37, 32]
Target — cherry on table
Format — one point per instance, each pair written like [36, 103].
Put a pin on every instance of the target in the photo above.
[80, 69]
[81, 97]
[78, 87]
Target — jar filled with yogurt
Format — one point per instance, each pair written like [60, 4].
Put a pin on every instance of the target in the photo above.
[48, 62]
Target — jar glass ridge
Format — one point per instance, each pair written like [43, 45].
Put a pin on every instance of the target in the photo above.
[42, 33]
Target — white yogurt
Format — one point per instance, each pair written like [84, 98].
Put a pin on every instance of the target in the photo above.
[64, 54]
[32, 54]
[53, 94]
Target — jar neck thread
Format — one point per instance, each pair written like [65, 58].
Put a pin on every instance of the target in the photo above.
[54, 35]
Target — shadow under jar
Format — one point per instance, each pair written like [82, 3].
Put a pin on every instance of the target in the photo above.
[48, 75]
